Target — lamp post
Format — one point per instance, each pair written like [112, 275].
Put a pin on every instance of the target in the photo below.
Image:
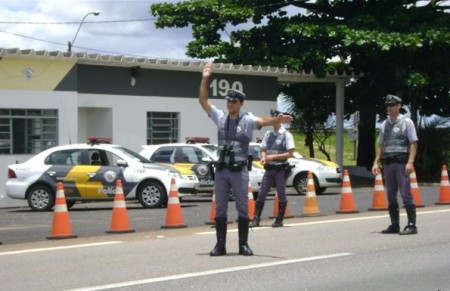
[70, 44]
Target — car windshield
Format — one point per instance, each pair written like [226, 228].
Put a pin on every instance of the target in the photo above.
[255, 151]
[133, 155]
[210, 147]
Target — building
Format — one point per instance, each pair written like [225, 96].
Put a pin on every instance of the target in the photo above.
[53, 98]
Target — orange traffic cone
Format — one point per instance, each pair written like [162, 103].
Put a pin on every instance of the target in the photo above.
[415, 191]
[119, 220]
[444, 189]
[347, 204]
[275, 209]
[174, 217]
[212, 213]
[311, 207]
[251, 202]
[61, 227]
[379, 201]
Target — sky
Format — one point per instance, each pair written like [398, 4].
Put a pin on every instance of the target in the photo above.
[121, 28]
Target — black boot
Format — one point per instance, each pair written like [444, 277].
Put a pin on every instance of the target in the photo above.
[221, 233]
[244, 248]
[411, 228]
[281, 210]
[394, 213]
[258, 210]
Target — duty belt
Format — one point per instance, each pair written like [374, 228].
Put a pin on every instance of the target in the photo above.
[394, 159]
[275, 167]
[238, 166]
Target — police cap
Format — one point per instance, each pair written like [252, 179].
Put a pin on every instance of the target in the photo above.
[393, 100]
[235, 95]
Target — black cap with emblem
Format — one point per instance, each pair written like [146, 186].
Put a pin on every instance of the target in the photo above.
[393, 100]
[235, 95]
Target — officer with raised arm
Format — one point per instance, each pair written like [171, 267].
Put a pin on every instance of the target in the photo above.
[235, 131]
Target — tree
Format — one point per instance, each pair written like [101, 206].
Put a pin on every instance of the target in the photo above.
[400, 46]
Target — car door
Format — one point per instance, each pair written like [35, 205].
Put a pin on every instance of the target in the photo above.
[65, 168]
[101, 174]
[198, 159]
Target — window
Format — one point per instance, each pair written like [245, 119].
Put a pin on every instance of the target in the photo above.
[98, 157]
[193, 155]
[164, 155]
[162, 127]
[64, 157]
[27, 131]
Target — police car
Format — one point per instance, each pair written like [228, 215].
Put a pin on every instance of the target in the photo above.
[89, 173]
[325, 173]
[195, 156]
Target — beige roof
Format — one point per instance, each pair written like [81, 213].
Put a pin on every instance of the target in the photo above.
[283, 74]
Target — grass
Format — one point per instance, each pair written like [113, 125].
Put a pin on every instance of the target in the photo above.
[349, 148]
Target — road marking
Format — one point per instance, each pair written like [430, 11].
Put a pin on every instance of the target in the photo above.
[332, 221]
[210, 272]
[59, 248]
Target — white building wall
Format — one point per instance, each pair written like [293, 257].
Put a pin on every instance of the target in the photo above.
[65, 102]
[129, 116]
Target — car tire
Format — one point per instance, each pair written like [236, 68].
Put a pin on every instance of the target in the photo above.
[151, 194]
[41, 198]
[301, 182]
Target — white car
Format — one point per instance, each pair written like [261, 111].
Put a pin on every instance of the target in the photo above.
[195, 156]
[325, 173]
[89, 173]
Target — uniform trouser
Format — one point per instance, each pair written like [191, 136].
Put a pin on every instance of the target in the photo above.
[225, 181]
[271, 177]
[395, 179]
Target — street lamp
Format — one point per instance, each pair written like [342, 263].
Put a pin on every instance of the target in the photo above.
[70, 44]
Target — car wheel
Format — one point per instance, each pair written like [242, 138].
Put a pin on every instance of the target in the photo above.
[301, 182]
[152, 195]
[41, 198]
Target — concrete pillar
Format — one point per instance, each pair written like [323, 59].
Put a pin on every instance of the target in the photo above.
[340, 84]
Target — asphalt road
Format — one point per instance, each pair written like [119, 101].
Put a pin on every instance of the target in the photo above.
[19, 225]
[329, 252]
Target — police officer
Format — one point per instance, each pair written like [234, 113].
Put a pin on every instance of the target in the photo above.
[397, 151]
[277, 146]
[235, 131]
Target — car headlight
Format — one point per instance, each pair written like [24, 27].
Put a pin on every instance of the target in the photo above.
[327, 169]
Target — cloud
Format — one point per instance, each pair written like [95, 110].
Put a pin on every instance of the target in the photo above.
[123, 27]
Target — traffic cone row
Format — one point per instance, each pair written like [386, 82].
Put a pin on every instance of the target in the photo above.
[119, 219]
[379, 201]
[444, 188]
[174, 216]
[251, 201]
[415, 191]
[276, 203]
[347, 204]
[212, 213]
[61, 227]
[311, 207]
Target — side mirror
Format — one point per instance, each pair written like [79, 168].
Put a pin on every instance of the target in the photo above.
[122, 163]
